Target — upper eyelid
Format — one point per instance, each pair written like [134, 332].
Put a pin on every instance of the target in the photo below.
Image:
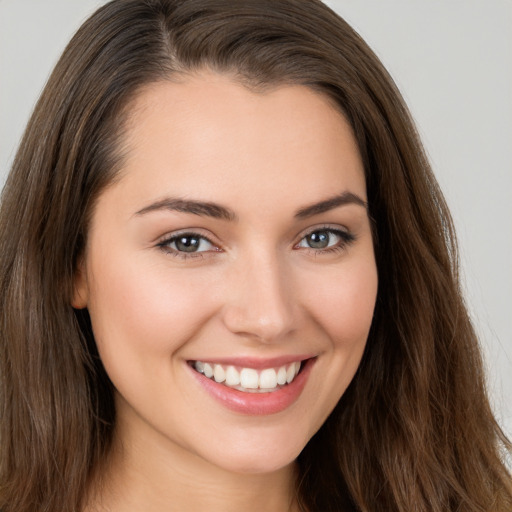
[324, 227]
[163, 244]
[170, 237]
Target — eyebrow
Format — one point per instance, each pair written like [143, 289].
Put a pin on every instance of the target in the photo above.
[329, 204]
[202, 208]
[218, 211]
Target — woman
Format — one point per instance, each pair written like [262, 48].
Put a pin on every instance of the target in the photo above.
[229, 279]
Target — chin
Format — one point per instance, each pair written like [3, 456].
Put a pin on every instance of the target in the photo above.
[255, 458]
[263, 463]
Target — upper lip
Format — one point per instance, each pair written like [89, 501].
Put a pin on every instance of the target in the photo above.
[257, 363]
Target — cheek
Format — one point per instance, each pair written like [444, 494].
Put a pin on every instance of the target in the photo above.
[143, 309]
[344, 301]
[341, 307]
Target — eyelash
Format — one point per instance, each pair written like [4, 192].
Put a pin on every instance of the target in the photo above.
[346, 239]
[164, 245]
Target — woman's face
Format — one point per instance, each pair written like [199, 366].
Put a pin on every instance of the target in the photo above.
[236, 242]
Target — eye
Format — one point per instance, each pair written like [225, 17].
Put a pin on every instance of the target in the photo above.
[187, 244]
[326, 238]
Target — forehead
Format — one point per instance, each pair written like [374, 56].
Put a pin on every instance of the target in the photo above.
[208, 134]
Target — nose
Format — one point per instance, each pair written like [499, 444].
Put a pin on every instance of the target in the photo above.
[261, 300]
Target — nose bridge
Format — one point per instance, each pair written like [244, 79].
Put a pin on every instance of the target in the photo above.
[261, 304]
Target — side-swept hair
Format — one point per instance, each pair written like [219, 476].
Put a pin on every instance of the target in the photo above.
[414, 430]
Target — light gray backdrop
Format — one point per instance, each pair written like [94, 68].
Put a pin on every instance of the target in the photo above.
[452, 60]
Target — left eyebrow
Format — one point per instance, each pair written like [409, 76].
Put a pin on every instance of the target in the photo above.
[201, 208]
[329, 204]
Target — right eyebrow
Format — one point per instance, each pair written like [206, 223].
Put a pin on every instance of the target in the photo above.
[202, 208]
[331, 203]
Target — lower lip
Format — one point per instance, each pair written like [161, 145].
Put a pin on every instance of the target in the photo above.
[256, 403]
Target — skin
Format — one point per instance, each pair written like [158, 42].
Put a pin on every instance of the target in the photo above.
[257, 290]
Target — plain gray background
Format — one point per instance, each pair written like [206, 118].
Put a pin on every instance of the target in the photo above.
[452, 60]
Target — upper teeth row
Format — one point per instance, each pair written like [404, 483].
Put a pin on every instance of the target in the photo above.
[249, 378]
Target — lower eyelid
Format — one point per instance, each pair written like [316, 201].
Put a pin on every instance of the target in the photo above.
[345, 237]
[166, 242]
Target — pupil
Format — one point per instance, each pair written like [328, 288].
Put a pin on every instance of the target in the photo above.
[318, 239]
[187, 244]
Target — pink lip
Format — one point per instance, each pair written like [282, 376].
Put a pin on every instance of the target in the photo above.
[256, 403]
[258, 363]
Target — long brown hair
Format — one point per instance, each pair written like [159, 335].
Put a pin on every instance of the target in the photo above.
[413, 432]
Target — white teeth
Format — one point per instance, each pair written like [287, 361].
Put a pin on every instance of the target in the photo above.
[290, 373]
[281, 376]
[268, 378]
[232, 376]
[207, 370]
[249, 379]
[218, 373]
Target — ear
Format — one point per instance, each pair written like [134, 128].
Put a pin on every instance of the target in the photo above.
[80, 287]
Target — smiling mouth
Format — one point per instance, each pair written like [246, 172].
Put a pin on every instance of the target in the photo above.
[249, 380]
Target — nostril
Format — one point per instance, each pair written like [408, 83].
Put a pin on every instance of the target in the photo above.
[246, 321]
